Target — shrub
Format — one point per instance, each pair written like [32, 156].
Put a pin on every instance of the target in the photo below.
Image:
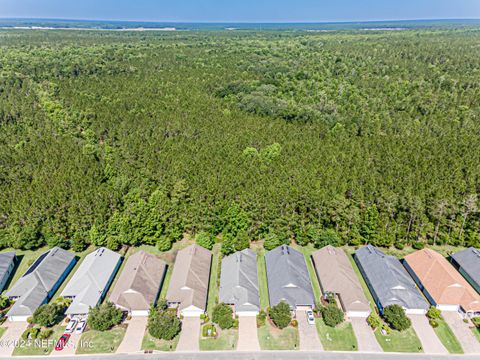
[294, 323]
[205, 240]
[104, 316]
[34, 332]
[374, 321]
[208, 327]
[281, 315]
[434, 313]
[418, 245]
[163, 324]
[4, 302]
[261, 318]
[332, 315]
[433, 323]
[45, 334]
[396, 318]
[48, 315]
[386, 329]
[223, 316]
[164, 244]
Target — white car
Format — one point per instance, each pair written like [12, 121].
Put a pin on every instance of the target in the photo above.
[310, 317]
[81, 326]
[71, 326]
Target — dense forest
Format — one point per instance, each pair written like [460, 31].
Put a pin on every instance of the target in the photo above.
[124, 138]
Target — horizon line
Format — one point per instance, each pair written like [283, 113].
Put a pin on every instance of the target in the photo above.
[242, 22]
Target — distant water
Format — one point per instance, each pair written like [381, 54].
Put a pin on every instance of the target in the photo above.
[49, 24]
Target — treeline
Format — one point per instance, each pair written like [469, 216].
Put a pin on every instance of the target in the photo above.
[331, 138]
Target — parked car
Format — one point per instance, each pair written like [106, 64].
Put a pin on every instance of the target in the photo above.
[81, 326]
[71, 326]
[310, 317]
[62, 342]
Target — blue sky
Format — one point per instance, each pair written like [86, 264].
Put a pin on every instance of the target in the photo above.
[242, 10]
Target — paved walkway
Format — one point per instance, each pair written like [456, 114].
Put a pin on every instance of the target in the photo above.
[132, 341]
[247, 334]
[365, 337]
[190, 335]
[430, 342]
[462, 332]
[14, 330]
[307, 333]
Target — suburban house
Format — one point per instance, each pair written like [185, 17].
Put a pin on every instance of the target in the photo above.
[91, 281]
[39, 283]
[388, 281]
[336, 276]
[7, 264]
[239, 283]
[139, 284]
[288, 278]
[468, 263]
[441, 284]
[188, 288]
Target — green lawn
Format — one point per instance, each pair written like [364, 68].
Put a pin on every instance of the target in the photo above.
[2, 331]
[101, 342]
[340, 338]
[447, 338]
[226, 340]
[166, 282]
[214, 279]
[405, 341]
[39, 347]
[476, 332]
[262, 279]
[271, 338]
[307, 252]
[151, 343]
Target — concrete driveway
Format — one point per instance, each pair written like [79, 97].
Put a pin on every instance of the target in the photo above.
[308, 334]
[247, 334]
[132, 341]
[14, 330]
[462, 332]
[190, 335]
[430, 342]
[365, 337]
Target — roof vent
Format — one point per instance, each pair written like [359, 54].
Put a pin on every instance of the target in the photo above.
[239, 257]
[476, 252]
[285, 250]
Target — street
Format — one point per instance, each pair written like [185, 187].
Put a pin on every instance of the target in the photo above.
[269, 355]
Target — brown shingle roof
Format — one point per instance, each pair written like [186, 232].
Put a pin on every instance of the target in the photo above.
[190, 276]
[336, 275]
[138, 285]
[444, 284]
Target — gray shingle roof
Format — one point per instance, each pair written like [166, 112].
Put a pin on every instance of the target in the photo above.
[34, 286]
[288, 277]
[239, 281]
[89, 282]
[469, 260]
[139, 283]
[389, 279]
[190, 277]
[6, 259]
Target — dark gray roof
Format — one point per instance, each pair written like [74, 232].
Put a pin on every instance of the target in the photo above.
[239, 281]
[389, 279]
[288, 277]
[6, 259]
[469, 260]
[41, 277]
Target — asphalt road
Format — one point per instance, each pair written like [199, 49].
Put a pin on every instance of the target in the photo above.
[267, 355]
